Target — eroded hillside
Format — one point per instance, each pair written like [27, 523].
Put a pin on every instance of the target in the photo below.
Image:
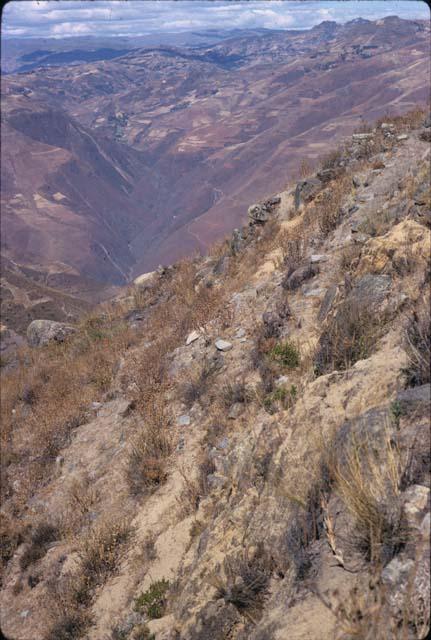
[238, 448]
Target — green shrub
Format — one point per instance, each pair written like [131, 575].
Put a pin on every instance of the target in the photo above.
[152, 602]
[286, 353]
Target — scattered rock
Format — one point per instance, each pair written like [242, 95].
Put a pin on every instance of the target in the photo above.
[371, 290]
[327, 302]
[299, 276]
[41, 332]
[240, 333]
[361, 238]
[192, 337]
[318, 257]
[223, 345]
[146, 280]
[273, 201]
[183, 421]
[362, 136]
[416, 502]
[314, 293]
[403, 136]
[237, 241]
[223, 444]
[258, 213]
[306, 190]
[235, 411]
[221, 266]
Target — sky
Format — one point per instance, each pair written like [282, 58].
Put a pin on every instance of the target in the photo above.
[63, 18]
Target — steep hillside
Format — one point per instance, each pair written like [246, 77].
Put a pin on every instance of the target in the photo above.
[170, 144]
[238, 447]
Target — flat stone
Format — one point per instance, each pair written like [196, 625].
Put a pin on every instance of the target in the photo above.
[223, 345]
[314, 293]
[145, 280]
[318, 257]
[361, 238]
[235, 410]
[327, 302]
[362, 136]
[223, 444]
[194, 335]
[403, 136]
[184, 420]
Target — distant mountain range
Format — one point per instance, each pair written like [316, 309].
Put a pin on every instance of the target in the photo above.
[114, 165]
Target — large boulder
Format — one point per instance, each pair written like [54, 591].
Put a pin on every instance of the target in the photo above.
[145, 280]
[258, 214]
[300, 275]
[306, 190]
[41, 332]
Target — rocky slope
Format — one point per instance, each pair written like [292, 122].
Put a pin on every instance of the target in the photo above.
[238, 448]
[113, 167]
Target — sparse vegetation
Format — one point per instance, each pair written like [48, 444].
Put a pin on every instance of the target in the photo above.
[368, 479]
[42, 536]
[286, 353]
[146, 466]
[418, 344]
[152, 602]
[349, 337]
[246, 581]
[100, 548]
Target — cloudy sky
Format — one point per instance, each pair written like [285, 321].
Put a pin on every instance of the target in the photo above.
[61, 18]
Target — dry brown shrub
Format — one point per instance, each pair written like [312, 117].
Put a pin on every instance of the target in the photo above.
[349, 258]
[99, 550]
[418, 344]
[197, 487]
[328, 204]
[146, 466]
[368, 479]
[293, 246]
[349, 336]
[246, 581]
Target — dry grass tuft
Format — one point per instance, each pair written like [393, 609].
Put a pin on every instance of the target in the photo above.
[368, 480]
[418, 344]
[99, 550]
[146, 466]
[349, 337]
[246, 581]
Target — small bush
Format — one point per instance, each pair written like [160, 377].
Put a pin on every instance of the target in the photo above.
[349, 337]
[280, 396]
[146, 466]
[368, 480]
[286, 354]
[198, 386]
[69, 628]
[152, 602]
[100, 548]
[41, 538]
[234, 392]
[247, 579]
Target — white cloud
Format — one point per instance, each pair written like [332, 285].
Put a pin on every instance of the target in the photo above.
[103, 17]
